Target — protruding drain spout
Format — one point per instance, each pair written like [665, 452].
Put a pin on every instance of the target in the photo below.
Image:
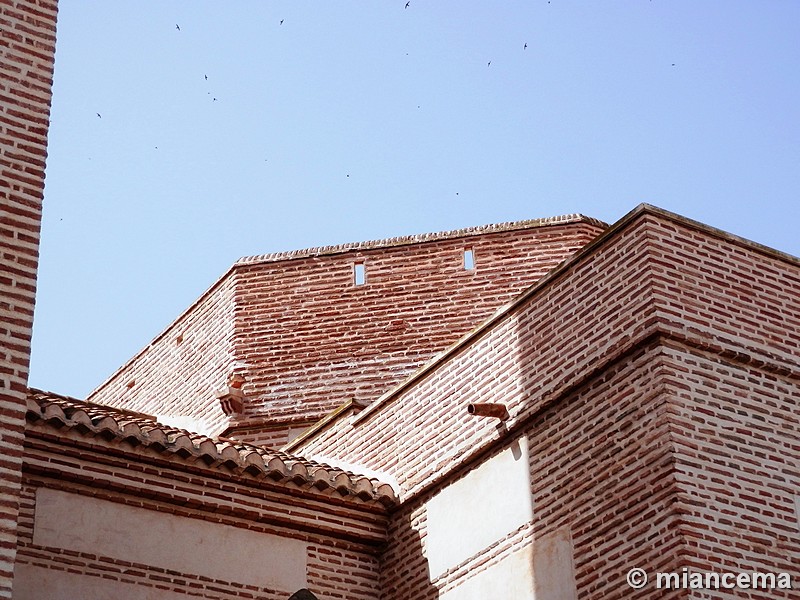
[488, 409]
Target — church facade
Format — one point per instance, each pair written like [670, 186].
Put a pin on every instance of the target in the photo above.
[551, 409]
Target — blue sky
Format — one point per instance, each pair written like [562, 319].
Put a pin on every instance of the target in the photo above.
[267, 126]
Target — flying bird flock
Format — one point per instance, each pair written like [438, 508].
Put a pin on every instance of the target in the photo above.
[406, 6]
[281, 22]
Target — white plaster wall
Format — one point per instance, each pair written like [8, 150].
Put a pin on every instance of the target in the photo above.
[182, 544]
[469, 515]
[554, 567]
[37, 583]
[512, 577]
[543, 571]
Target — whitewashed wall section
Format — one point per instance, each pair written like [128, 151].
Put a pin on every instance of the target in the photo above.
[192, 546]
[481, 508]
[472, 513]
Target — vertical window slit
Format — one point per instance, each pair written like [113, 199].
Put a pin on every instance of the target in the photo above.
[359, 274]
[469, 259]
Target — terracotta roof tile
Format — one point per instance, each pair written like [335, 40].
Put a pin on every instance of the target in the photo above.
[97, 419]
[416, 239]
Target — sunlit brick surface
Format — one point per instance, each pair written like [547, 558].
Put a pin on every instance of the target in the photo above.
[307, 339]
[27, 43]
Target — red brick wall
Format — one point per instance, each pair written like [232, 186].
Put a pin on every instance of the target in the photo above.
[736, 432]
[721, 292]
[339, 574]
[581, 365]
[180, 372]
[314, 340]
[342, 536]
[732, 313]
[27, 44]
[307, 339]
[573, 325]
[600, 466]
[404, 568]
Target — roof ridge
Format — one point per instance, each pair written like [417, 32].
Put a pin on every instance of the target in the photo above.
[418, 238]
[39, 393]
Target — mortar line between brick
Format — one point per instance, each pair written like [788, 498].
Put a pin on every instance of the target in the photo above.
[561, 270]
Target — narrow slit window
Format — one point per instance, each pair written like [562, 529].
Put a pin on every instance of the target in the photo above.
[359, 274]
[469, 259]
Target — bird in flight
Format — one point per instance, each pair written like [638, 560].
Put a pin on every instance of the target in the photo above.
[206, 76]
[525, 47]
[489, 64]
[407, 3]
[99, 116]
[281, 21]
[177, 27]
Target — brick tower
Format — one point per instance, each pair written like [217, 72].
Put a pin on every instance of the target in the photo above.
[27, 48]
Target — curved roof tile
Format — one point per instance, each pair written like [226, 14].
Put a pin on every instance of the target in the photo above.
[416, 239]
[63, 411]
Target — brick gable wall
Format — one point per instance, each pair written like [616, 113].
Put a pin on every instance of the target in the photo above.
[180, 372]
[306, 339]
[575, 323]
[637, 477]
[345, 341]
[27, 45]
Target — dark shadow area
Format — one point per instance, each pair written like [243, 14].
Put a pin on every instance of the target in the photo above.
[404, 568]
[303, 594]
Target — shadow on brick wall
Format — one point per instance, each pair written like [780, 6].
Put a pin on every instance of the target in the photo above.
[404, 568]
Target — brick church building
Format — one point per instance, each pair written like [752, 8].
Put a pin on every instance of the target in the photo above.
[522, 410]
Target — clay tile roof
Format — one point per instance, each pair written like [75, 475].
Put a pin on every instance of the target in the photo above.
[416, 239]
[96, 419]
